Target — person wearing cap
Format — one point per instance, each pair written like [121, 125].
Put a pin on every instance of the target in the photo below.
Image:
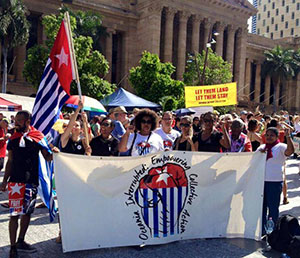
[116, 114]
[243, 115]
[166, 132]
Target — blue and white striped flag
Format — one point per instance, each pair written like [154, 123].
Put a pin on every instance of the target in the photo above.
[53, 92]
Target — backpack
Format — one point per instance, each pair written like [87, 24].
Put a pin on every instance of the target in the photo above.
[294, 247]
[287, 226]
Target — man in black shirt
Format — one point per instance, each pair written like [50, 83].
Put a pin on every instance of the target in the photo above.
[22, 177]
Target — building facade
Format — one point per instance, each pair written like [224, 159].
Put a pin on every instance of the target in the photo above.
[278, 18]
[171, 29]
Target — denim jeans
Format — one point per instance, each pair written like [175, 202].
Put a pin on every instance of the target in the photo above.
[272, 192]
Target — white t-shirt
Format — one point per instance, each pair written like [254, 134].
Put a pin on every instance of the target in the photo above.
[168, 138]
[154, 144]
[275, 165]
[297, 127]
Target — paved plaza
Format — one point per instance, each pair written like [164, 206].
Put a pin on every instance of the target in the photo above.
[41, 234]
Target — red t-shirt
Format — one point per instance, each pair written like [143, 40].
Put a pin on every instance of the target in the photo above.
[2, 144]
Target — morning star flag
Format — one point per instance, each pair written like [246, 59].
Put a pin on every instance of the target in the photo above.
[53, 92]
[158, 198]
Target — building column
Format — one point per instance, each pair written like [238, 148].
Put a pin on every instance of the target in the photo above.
[196, 33]
[239, 62]
[277, 88]
[267, 90]
[168, 42]
[181, 55]
[109, 50]
[257, 83]
[19, 63]
[148, 29]
[230, 45]
[220, 38]
[207, 31]
[246, 89]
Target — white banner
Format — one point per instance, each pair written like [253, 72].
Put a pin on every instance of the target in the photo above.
[159, 198]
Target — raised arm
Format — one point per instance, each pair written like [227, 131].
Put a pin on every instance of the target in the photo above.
[290, 146]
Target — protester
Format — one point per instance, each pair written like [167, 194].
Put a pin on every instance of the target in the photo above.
[166, 132]
[209, 139]
[71, 141]
[22, 177]
[276, 156]
[105, 144]
[239, 141]
[95, 125]
[3, 138]
[145, 140]
[196, 125]
[185, 142]
[254, 136]
[117, 114]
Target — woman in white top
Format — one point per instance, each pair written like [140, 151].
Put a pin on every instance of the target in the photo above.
[276, 156]
[144, 141]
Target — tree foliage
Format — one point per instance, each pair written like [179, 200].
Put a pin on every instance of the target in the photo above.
[217, 70]
[280, 64]
[92, 65]
[14, 30]
[152, 81]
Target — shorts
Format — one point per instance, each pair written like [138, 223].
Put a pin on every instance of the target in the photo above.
[22, 198]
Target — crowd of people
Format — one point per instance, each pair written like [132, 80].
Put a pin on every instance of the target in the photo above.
[143, 131]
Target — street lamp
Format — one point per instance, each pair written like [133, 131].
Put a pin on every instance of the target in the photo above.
[211, 41]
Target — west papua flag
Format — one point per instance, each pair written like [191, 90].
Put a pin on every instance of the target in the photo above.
[161, 196]
[53, 92]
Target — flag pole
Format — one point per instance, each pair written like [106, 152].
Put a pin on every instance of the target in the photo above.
[75, 69]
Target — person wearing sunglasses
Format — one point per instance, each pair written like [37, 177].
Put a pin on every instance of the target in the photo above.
[105, 144]
[71, 141]
[209, 139]
[166, 132]
[144, 140]
[184, 142]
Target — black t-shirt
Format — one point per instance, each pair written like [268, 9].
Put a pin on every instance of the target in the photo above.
[25, 164]
[183, 146]
[212, 144]
[104, 147]
[74, 147]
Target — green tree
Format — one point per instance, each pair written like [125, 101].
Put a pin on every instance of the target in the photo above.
[217, 70]
[152, 81]
[280, 65]
[14, 30]
[92, 65]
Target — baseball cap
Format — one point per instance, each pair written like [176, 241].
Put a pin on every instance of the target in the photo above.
[120, 109]
[244, 112]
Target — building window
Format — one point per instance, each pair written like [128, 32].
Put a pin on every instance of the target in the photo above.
[292, 31]
[258, 17]
[276, 27]
[277, 11]
[259, 2]
[298, 6]
[268, 14]
[282, 18]
[258, 31]
[265, 8]
[286, 24]
[297, 22]
[287, 9]
[271, 35]
[272, 20]
[283, 2]
[294, 1]
[281, 33]
[293, 15]
[268, 29]
[269, 1]
[273, 5]
[264, 22]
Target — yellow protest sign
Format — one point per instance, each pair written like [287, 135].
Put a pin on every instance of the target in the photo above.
[212, 95]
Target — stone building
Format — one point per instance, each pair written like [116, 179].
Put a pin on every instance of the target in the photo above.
[171, 29]
[278, 18]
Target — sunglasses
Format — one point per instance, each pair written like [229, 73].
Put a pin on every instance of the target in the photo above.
[208, 120]
[146, 122]
[105, 124]
[184, 125]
